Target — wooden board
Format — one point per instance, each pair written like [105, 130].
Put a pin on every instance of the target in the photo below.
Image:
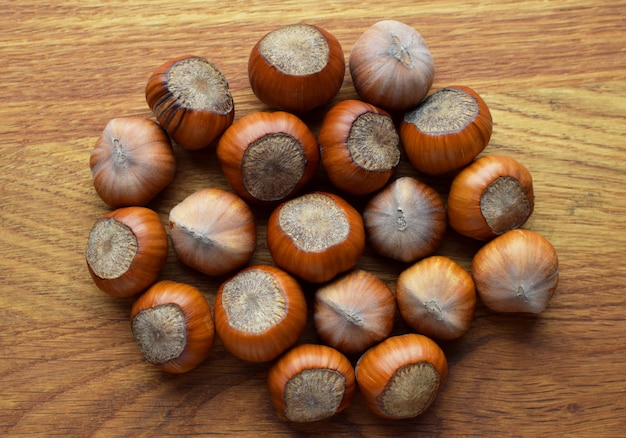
[554, 76]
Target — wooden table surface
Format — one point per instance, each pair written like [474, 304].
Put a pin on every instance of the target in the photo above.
[554, 76]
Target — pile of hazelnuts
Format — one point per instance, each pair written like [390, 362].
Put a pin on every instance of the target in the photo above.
[268, 158]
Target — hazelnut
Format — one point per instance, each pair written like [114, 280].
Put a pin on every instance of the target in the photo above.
[190, 99]
[132, 162]
[126, 250]
[311, 383]
[259, 313]
[516, 272]
[446, 131]
[172, 325]
[213, 231]
[406, 220]
[267, 157]
[315, 236]
[296, 68]
[489, 197]
[391, 66]
[360, 147]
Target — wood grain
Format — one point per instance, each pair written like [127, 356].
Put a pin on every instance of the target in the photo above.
[554, 76]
